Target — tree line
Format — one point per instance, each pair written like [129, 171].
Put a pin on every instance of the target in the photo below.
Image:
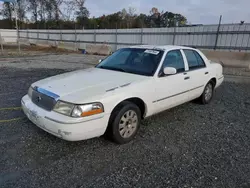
[72, 14]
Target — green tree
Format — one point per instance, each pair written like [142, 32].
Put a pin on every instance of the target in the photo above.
[82, 13]
[56, 14]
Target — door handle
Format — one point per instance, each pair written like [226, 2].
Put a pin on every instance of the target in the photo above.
[187, 78]
[206, 72]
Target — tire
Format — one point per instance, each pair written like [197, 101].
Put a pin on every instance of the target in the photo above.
[207, 94]
[124, 123]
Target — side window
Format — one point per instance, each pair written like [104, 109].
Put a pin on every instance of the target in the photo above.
[194, 59]
[200, 60]
[174, 59]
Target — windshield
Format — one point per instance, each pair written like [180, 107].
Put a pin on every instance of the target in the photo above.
[133, 60]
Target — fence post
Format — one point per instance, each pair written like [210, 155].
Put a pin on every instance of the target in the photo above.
[37, 30]
[17, 28]
[174, 35]
[248, 40]
[75, 38]
[1, 42]
[141, 36]
[48, 36]
[242, 41]
[141, 32]
[61, 35]
[37, 35]
[18, 40]
[95, 36]
[27, 35]
[217, 34]
[116, 38]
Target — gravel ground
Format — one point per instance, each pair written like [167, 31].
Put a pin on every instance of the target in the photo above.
[188, 146]
[237, 71]
[63, 61]
[75, 61]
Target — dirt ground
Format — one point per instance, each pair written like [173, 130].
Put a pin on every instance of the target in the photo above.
[32, 50]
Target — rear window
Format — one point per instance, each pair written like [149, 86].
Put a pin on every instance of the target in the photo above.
[194, 59]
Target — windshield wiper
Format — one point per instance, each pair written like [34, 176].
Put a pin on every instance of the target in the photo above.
[112, 68]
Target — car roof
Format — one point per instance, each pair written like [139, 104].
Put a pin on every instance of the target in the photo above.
[161, 47]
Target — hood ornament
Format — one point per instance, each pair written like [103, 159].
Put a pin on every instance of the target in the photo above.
[39, 98]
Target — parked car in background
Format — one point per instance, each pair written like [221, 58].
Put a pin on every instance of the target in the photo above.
[126, 87]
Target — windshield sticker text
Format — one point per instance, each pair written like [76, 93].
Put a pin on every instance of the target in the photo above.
[152, 52]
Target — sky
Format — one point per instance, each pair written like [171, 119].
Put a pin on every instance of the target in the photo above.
[196, 11]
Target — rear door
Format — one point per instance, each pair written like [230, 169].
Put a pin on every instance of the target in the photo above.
[197, 72]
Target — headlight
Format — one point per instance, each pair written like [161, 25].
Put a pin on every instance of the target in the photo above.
[30, 92]
[63, 108]
[87, 110]
[78, 110]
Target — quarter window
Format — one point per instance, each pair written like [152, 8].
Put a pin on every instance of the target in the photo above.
[174, 59]
[194, 59]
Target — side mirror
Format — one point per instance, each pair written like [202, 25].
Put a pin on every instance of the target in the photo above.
[169, 71]
[100, 60]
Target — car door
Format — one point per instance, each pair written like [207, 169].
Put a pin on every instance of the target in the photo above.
[171, 90]
[197, 72]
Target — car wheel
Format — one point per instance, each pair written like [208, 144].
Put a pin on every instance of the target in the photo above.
[207, 94]
[124, 122]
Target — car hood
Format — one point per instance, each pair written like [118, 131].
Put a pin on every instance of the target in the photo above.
[78, 85]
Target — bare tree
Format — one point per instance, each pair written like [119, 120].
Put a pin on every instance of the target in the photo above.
[69, 7]
[7, 12]
[131, 11]
[49, 9]
[34, 8]
[131, 15]
[56, 6]
[22, 8]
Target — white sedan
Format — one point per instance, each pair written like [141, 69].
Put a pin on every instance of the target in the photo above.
[126, 87]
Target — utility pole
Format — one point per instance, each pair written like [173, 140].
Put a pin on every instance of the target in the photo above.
[218, 32]
[17, 29]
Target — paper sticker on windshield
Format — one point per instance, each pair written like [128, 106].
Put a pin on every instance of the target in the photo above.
[155, 52]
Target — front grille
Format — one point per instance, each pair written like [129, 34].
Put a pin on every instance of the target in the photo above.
[43, 101]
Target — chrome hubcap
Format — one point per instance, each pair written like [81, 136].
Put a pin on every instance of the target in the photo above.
[128, 124]
[208, 92]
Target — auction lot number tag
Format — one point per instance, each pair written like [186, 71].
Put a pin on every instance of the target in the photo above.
[155, 52]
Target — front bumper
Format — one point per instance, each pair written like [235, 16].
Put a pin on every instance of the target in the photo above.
[64, 127]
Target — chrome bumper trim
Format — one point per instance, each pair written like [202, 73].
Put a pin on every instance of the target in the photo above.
[67, 123]
[177, 94]
[220, 78]
[48, 93]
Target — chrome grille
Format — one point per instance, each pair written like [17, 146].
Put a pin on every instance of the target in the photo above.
[42, 100]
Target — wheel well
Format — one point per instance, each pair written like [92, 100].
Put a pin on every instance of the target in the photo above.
[137, 101]
[213, 80]
[140, 103]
